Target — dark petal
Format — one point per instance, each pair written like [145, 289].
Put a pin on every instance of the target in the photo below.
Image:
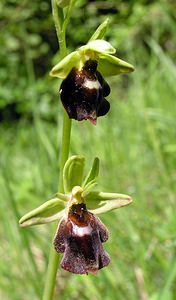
[80, 236]
[100, 78]
[67, 90]
[103, 108]
[104, 84]
[84, 255]
[80, 256]
[102, 230]
[72, 263]
[106, 89]
[59, 238]
[104, 260]
[79, 101]
[82, 93]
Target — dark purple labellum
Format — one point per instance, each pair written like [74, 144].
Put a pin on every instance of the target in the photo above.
[82, 93]
[80, 238]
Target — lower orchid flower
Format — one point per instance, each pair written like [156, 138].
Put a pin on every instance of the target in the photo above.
[80, 236]
[80, 233]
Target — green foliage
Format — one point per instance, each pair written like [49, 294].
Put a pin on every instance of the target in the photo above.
[138, 154]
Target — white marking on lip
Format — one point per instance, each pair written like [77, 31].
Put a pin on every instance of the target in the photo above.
[91, 84]
[81, 231]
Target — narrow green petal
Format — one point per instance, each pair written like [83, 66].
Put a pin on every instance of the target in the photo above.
[109, 65]
[63, 68]
[93, 173]
[48, 212]
[100, 31]
[73, 172]
[99, 202]
[89, 187]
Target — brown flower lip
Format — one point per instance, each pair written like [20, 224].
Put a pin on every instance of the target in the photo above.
[80, 237]
[82, 93]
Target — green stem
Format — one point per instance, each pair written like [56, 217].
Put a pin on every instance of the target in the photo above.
[65, 147]
[66, 131]
[58, 17]
[54, 256]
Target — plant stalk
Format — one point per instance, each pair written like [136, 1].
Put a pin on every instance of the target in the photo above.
[54, 256]
[58, 17]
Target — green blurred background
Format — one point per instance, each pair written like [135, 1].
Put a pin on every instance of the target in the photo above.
[136, 143]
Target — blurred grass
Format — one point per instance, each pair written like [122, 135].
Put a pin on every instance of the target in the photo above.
[136, 143]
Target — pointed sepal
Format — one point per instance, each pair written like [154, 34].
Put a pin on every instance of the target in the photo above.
[99, 202]
[109, 65]
[63, 68]
[73, 172]
[99, 46]
[48, 212]
[98, 50]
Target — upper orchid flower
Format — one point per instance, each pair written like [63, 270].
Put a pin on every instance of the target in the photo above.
[80, 233]
[84, 88]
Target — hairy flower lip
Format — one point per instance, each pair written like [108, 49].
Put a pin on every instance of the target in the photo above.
[82, 93]
[79, 237]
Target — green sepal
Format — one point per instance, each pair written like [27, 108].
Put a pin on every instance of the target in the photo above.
[48, 212]
[109, 65]
[100, 31]
[99, 46]
[93, 173]
[99, 202]
[63, 68]
[73, 172]
[99, 50]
